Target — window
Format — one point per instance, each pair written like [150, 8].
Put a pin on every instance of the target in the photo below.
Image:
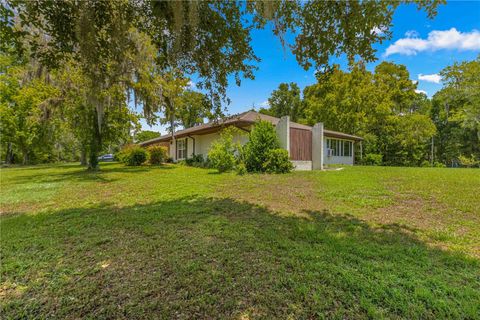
[339, 148]
[335, 147]
[181, 149]
[347, 148]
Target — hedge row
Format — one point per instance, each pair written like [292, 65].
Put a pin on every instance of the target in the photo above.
[133, 155]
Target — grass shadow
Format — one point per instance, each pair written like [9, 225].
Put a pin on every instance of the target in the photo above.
[221, 258]
[77, 173]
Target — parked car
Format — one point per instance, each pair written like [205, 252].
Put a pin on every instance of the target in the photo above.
[106, 157]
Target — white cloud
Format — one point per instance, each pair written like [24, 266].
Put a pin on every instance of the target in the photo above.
[414, 81]
[421, 91]
[412, 34]
[407, 46]
[448, 39]
[264, 104]
[435, 78]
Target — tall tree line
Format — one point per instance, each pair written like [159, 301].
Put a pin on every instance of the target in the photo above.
[400, 125]
[143, 49]
[456, 114]
[45, 115]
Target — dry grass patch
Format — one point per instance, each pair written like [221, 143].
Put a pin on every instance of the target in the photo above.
[284, 194]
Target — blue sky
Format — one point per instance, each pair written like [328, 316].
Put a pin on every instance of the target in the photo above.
[425, 46]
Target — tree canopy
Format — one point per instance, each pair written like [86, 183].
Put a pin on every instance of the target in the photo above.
[193, 108]
[400, 125]
[46, 117]
[144, 49]
[456, 112]
[381, 106]
[286, 101]
[145, 135]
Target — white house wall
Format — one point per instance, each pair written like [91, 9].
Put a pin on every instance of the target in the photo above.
[189, 147]
[283, 132]
[317, 147]
[300, 165]
[203, 143]
[172, 150]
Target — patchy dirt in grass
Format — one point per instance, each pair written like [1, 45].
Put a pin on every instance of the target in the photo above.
[11, 290]
[288, 195]
[412, 211]
[419, 212]
[429, 217]
[12, 209]
[432, 220]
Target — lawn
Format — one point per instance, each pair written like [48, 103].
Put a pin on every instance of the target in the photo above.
[175, 242]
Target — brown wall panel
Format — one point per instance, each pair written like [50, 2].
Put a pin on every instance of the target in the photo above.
[300, 144]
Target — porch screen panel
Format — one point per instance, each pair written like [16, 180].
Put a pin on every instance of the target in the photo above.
[300, 144]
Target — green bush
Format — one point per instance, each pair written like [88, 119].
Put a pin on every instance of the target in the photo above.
[120, 154]
[425, 163]
[278, 161]
[372, 159]
[157, 154]
[468, 162]
[437, 164]
[241, 169]
[262, 139]
[133, 155]
[197, 160]
[223, 151]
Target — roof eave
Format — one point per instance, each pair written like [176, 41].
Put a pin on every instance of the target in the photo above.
[341, 135]
[199, 131]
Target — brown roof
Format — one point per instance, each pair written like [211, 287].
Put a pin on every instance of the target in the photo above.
[243, 119]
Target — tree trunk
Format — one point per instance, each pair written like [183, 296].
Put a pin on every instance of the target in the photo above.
[25, 157]
[172, 123]
[9, 154]
[172, 126]
[95, 144]
[83, 155]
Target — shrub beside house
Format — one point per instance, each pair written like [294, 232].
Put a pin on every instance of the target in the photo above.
[157, 154]
[224, 154]
[134, 155]
[262, 152]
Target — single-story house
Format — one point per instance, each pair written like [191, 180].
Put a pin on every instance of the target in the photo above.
[309, 147]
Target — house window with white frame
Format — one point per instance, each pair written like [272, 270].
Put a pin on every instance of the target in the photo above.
[339, 148]
[347, 148]
[181, 149]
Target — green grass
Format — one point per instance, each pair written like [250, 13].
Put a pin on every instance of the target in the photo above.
[179, 242]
